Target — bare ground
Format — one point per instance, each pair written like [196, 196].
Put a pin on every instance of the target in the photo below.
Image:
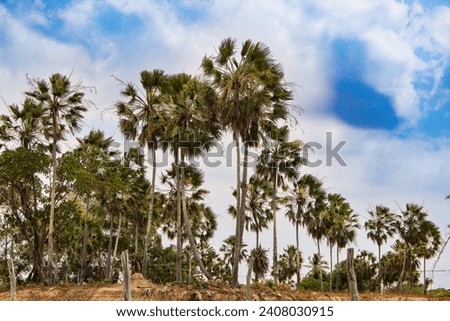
[143, 290]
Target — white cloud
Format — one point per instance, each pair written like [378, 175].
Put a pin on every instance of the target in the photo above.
[79, 13]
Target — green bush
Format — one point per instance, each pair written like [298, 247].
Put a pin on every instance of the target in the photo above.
[312, 284]
[440, 292]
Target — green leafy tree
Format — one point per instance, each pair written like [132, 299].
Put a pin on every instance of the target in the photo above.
[82, 169]
[26, 211]
[22, 129]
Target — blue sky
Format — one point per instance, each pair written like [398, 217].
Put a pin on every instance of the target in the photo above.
[374, 73]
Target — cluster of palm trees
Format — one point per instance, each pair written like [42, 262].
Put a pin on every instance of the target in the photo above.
[71, 212]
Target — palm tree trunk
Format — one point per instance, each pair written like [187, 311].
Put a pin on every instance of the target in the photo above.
[275, 240]
[241, 209]
[331, 266]
[235, 267]
[338, 279]
[320, 265]
[150, 214]
[179, 255]
[424, 276]
[188, 225]
[51, 228]
[243, 192]
[297, 257]
[400, 279]
[379, 268]
[257, 237]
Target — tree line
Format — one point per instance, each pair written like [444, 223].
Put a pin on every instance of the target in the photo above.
[65, 215]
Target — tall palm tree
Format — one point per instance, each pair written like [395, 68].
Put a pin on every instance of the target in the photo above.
[63, 106]
[342, 222]
[143, 117]
[192, 129]
[251, 93]
[413, 228]
[428, 247]
[314, 216]
[380, 226]
[279, 163]
[296, 203]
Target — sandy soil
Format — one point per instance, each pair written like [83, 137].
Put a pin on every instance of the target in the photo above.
[143, 290]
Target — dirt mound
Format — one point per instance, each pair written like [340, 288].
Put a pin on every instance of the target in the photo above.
[137, 276]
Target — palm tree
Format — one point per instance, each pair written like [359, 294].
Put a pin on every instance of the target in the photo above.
[289, 263]
[199, 220]
[258, 213]
[191, 129]
[63, 106]
[442, 249]
[342, 222]
[251, 94]
[23, 124]
[428, 248]
[295, 203]
[278, 163]
[314, 216]
[261, 262]
[97, 138]
[142, 117]
[228, 250]
[317, 265]
[380, 226]
[413, 228]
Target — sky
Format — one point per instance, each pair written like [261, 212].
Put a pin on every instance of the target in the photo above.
[372, 79]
